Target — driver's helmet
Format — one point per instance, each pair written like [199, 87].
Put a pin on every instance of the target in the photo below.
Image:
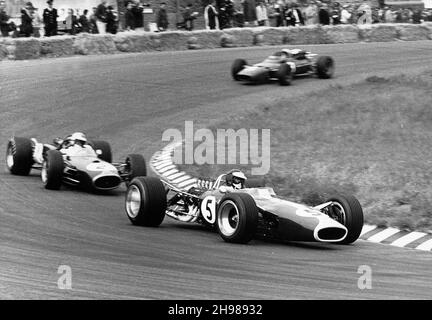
[236, 179]
[78, 138]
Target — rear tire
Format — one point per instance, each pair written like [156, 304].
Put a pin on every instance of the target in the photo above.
[284, 75]
[146, 201]
[52, 170]
[136, 165]
[325, 67]
[348, 211]
[237, 66]
[105, 149]
[19, 156]
[237, 218]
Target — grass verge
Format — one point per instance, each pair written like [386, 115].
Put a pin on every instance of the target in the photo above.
[372, 139]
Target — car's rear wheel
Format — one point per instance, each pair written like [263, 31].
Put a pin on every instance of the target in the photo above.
[19, 156]
[103, 150]
[135, 166]
[237, 66]
[346, 210]
[146, 201]
[325, 67]
[52, 170]
[237, 218]
[284, 74]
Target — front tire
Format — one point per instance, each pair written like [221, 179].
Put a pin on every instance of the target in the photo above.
[237, 218]
[346, 209]
[284, 75]
[52, 170]
[325, 67]
[237, 66]
[19, 156]
[146, 201]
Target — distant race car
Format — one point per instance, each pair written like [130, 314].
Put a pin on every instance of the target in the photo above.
[283, 66]
[88, 165]
[240, 214]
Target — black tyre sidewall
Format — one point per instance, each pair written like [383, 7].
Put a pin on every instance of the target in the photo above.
[236, 67]
[284, 74]
[137, 166]
[248, 218]
[153, 205]
[54, 170]
[22, 155]
[321, 67]
[353, 216]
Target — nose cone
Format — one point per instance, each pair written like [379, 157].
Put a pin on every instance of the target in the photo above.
[329, 230]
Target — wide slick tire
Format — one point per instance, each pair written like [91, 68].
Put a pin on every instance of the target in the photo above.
[136, 166]
[19, 156]
[146, 201]
[237, 218]
[284, 74]
[346, 209]
[325, 67]
[103, 149]
[52, 170]
[237, 66]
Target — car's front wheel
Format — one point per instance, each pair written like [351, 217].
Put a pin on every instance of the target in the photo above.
[325, 67]
[146, 201]
[346, 210]
[19, 156]
[52, 170]
[284, 75]
[237, 218]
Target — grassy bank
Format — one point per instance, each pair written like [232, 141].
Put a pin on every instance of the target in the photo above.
[372, 139]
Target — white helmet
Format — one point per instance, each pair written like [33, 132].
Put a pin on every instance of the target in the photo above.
[236, 179]
[78, 136]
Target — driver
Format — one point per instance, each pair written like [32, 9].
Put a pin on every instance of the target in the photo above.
[76, 144]
[235, 179]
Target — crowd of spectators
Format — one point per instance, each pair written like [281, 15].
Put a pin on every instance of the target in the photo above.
[218, 14]
[277, 13]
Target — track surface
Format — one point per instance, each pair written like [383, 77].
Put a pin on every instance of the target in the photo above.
[129, 100]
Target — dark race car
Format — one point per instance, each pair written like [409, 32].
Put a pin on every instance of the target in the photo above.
[240, 214]
[283, 66]
[87, 164]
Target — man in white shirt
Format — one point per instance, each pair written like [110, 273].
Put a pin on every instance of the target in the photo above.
[261, 13]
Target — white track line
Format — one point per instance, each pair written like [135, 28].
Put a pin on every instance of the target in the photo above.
[187, 182]
[426, 246]
[168, 173]
[167, 168]
[367, 228]
[386, 233]
[175, 175]
[185, 177]
[406, 239]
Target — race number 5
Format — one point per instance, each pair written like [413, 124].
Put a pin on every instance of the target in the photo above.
[208, 209]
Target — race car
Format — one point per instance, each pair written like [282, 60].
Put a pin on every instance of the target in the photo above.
[241, 213]
[283, 66]
[73, 161]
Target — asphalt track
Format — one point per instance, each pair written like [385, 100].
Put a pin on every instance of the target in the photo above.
[129, 100]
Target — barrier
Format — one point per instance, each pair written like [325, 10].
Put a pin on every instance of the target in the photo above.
[85, 44]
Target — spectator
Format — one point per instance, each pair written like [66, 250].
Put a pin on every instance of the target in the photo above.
[101, 12]
[188, 17]
[323, 15]
[275, 13]
[311, 13]
[26, 28]
[84, 22]
[416, 16]
[130, 17]
[50, 19]
[249, 10]
[137, 10]
[72, 22]
[111, 19]
[365, 12]
[388, 15]
[297, 15]
[211, 16]
[345, 14]
[5, 25]
[335, 14]
[261, 14]
[93, 22]
[238, 13]
[162, 17]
